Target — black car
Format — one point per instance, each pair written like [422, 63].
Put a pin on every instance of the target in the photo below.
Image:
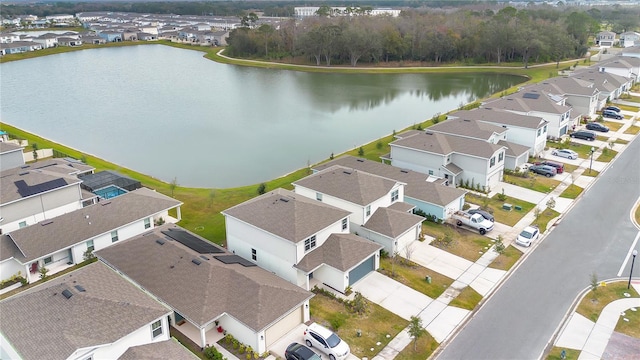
[545, 170]
[612, 108]
[484, 214]
[612, 115]
[297, 351]
[597, 127]
[583, 134]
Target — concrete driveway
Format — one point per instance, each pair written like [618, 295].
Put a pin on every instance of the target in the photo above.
[297, 335]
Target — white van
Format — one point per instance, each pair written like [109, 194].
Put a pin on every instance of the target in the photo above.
[326, 341]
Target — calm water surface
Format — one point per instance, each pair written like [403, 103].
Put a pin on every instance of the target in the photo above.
[170, 113]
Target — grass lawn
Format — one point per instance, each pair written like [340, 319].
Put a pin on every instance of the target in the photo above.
[543, 220]
[631, 327]
[629, 98]
[534, 182]
[613, 126]
[494, 206]
[414, 276]
[506, 260]
[633, 129]
[593, 303]
[592, 173]
[637, 214]
[628, 107]
[555, 352]
[424, 348]
[568, 168]
[467, 299]
[375, 324]
[467, 244]
[607, 155]
[571, 192]
[621, 141]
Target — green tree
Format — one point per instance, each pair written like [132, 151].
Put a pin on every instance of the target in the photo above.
[416, 330]
[43, 272]
[211, 353]
[173, 185]
[34, 146]
[266, 31]
[262, 188]
[499, 246]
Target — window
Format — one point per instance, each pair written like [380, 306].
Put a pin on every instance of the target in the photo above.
[368, 210]
[114, 236]
[147, 223]
[539, 132]
[500, 157]
[22, 224]
[394, 195]
[156, 329]
[319, 196]
[544, 129]
[90, 246]
[493, 162]
[310, 243]
[254, 255]
[344, 224]
[430, 172]
[48, 260]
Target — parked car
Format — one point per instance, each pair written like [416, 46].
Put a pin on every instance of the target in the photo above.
[612, 108]
[326, 341]
[597, 127]
[474, 221]
[528, 235]
[297, 351]
[545, 170]
[484, 214]
[584, 135]
[565, 153]
[612, 114]
[559, 166]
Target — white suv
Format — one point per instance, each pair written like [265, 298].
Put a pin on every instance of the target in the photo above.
[326, 341]
[528, 235]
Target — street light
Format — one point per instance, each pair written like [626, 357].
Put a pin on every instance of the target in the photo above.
[591, 162]
[634, 253]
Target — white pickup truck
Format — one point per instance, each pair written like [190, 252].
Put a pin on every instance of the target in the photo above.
[475, 221]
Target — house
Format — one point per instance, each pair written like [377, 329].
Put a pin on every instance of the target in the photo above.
[539, 103]
[143, 36]
[472, 162]
[90, 313]
[625, 66]
[130, 35]
[39, 191]
[17, 47]
[611, 86]
[111, 35]
[207, 287]
[10, 155]
[8, 38]
[277, 230]
[581, 95]
[631, 51]
[93, 39]
[606, 39]
[525, 130]
[47, 40]
[170, 349]
[376, 203]
[69, 41]
[422, 191]
[52, 244]
[629, 39]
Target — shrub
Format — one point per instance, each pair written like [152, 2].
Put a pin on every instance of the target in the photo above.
[262, 188]
[242, 348]
[502, 196]
[337, 320]
[359, 304]
[361, 151]
[466, 206]
[379, 145]
[211, 353]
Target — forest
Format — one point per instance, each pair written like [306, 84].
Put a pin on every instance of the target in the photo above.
[435, 36]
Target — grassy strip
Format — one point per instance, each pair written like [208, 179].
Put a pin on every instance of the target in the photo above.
[591, 173]
[613, 126]
[571, 192]
[631, 327]
[620, 141]
[375, 325]
[414, 276]
[592, 304]
[423, 349]
[543, 219]
[631, 98]
[637, 214]
[506, 260]
[463, 242]
[555, 353]
[633, 130]
[628, 107]
[607, 155]
[534, 182]
[467, 299]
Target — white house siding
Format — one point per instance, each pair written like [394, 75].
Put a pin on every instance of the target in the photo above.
[114, 350]
[274, 253]
[244, 334]
[9, 268]
[354, 209]
[580, 105]
[418, 161]
[321, 237]
[385, 241]
[13, 159]
[428, 208]
[475, 169]
[529, 138]
[40, 207]
[624, 72]
[332, 277]
[558, 124]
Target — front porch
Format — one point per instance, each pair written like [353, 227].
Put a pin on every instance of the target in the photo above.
[193, 333]
[33, 270]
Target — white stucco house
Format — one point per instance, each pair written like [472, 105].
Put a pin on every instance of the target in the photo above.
[279, 229]
[60, 242]
[458, 159]
[611, 86]
[606, 39]
[581, 95]
[208, 289]
[629, 39]
[625, 66]
[376, 203]
[10, 155]
[89, 313]
[533, 102]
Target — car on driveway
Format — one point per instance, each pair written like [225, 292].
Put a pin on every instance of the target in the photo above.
[545, 170]
[559, 166]
[612, 108]
[565, 153]
[612, 115]
[597, 127]
[297, 351]
[528, 235]
[584, 135]
[484, 214]
[326, 341]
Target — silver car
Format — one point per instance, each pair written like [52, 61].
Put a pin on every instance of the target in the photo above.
[565, 153]
[528, 235]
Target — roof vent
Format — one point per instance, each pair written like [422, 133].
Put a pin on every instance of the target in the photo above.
[428, 133]
[196, 261]
[46, 222]
[79, 288]
[404, 171]
[467, 120]
[105, 203]
[160, 241]
[23, 173]
[204, 257]
[347, 172]
[360, 160]
[25, 167]
[284, 200]
[67, 293]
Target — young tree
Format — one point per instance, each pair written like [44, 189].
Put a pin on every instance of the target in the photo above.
[262, 188]
[499, 247]
[416, 330]
[173, 185]
[34, 146]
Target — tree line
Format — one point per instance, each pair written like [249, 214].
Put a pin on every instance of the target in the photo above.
[434, 36]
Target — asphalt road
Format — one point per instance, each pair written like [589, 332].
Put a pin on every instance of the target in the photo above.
[521, 317]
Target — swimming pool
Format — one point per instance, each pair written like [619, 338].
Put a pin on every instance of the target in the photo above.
[110, 191]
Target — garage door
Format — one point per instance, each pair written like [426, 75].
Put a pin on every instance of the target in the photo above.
[279, 329]
[361, 270]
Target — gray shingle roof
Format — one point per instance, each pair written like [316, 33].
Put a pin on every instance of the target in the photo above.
[287, 215]
[497, 116]
[567, 86]
[202, 293]
[355, 186]
[467, 128]
[392, 223]
[444, 144]
[24, 181]
[513, 149]
[417, 187]
[340, 251]
[49, 236]
[41, 323]
[604, 81]
[401, 206]
[170, 350]
[8, 147]
[522, 102]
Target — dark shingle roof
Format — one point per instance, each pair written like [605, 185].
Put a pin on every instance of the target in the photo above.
[170, 350]
[287, 215]
[41, 323]
[467, 128]
[392, 223]
[204, 292]
[340, 251]
[513, 149]
[24, 181]
[527, 100]
[444, 144]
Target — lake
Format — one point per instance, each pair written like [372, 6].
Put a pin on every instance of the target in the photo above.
[170, 113]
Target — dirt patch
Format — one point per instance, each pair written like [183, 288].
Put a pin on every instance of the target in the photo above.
[622, 347]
